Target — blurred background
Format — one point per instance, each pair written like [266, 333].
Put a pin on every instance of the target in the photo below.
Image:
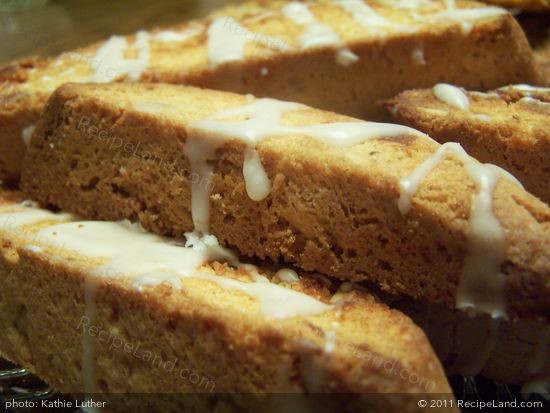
[48, 27]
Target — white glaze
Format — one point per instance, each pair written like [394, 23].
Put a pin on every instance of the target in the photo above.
[176, 36]
[262, 119]
[287, 275]
[224, 45]
[317, 35]
[147, 259]
[110, 62]
[526, 88]
[227, 40]
[257, 182]
[26, 134]
[451, 95]
[481, 283]
[465, 17]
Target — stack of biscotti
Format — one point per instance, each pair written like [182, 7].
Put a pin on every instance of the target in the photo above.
[336, 55]
[509, 126]
[103, 307]
[276, 181]
[350, 199]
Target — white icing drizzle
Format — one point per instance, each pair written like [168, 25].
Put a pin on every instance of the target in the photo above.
[451, 95]
[224, 45]
[481, 282]
[465, 17]
[262, 119]
[227, 39]
[330, 337]
[525, 89]
[316, 34]
[18, 217]
[26, 134]
[176, 36]
[110, 62]
[287, 275]
[258, 185]
[363, 14]
[148, 259]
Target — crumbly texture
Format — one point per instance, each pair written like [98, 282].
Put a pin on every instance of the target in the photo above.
[330, 210]
[217, 334]
[515, 136]
[494, 53]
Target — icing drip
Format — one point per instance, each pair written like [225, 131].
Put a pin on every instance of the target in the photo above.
[317, 34]
[257, 182]
[451, 95]
[26, 134]
[227, 40]
[481, 282]
[262, 119]
[109, 61]
[287, 275]
[224, 45]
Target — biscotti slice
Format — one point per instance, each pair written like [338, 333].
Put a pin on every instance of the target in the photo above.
[509, 127]
[511, 352]
[337, 55]
[103, 307]
[351, 199]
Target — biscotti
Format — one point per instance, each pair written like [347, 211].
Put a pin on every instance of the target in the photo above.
[509, 127]
[351, 199]
[103, 307]
[337, 55]
[516, 352]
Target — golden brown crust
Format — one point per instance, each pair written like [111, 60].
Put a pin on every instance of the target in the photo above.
[515, 135]
[385, 67]
[330, 210]
[215, 333]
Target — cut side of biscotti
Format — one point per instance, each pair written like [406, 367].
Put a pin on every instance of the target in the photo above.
[104, 307]
[512, 352]
[351, 199]
[336, 55]
[509, 127]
